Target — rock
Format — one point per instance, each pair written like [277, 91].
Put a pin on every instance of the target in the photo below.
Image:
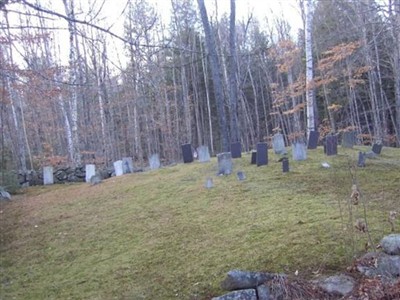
[370, 155]
[249, 294]
[237, 279]
[263, 292]
[391, 244]
[4, 195]
[337, 285]
[325, 165]
[379, 264]
[95, 179]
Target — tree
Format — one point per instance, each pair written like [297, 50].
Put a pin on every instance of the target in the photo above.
[309, 69]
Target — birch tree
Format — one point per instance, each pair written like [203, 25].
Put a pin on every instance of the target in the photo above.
[309, 68]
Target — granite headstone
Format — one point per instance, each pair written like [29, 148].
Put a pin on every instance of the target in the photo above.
[187, 153]
[48, 177]
[90, 170]
[262, 154]
[236, 150]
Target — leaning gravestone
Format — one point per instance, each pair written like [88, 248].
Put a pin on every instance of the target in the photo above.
[118, 168]
[225, 164]
[313, 140]
[331, 145]
[348, 139]
[278, 144]
[299, 151]
[187, 153]
[236, 150]
[262, 154]
[204, 154]
[361, 159]
[127, 165]
[90, 170]
[377, 148]
[154, 161]
[48, 177]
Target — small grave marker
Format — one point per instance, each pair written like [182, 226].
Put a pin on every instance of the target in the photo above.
[253, 157]
[48, 177]
[204, 154]
[285, 165]
[209, 183]
[187, 153]
[236, 150]
[262, 154]
[118, 168]
[299, 151]
[361, 159]
[278, 144]
[331, 145]
[90, 170]
[313, 140]
[225, 164]
[348, 139]
[127, 165]
[154, 161]
[240, 175]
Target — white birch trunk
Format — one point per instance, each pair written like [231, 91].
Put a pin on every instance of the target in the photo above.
[309, 69]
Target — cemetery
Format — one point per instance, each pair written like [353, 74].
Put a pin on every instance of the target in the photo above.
[176, 231]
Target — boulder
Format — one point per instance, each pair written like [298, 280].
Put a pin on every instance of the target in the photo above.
[263, 292]
[337, 285]
[391, 244]
[238, 279]
[4, 195]
[248, 294]
[375, 264]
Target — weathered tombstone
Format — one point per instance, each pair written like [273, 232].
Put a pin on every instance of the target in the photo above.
[118, 168]
[361, 159]
[299, 151]
[204, 154]
[285, 165]
[331, 145]
[154, 161]
[236, 150]
[48, 177]
[377, 148]
[262, 154]
[225, 164]
[348, 139]
[209, 183]
[187, 153]
[253, 157]
[313, 140]
[127, 165]
[278, 144]
[90, 170]
[240, 175]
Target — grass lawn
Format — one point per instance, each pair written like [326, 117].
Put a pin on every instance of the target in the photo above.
[162, 235]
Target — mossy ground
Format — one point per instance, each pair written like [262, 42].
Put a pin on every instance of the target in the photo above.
[162, 235]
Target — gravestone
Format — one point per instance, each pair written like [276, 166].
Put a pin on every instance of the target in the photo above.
[225, 164]
[154, 161]
[331, 145]
[299, 151]
[118, 168]
[236, 150]
[285, 165]
[187, 153]
[278, 144]
[48, 177]
[348, 139]
[90, 170]
[253, 157]
[209, 183]
[262, 154]
[361, 159]
[377, 148]
[127, 165]
[313, 140]
[240, 175]
[204, 154]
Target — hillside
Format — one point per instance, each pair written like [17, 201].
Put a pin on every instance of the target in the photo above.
[162, 235]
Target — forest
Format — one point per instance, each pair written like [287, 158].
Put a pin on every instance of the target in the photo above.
[201, 78]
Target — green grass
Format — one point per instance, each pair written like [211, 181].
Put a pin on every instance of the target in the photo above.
[162, 235]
